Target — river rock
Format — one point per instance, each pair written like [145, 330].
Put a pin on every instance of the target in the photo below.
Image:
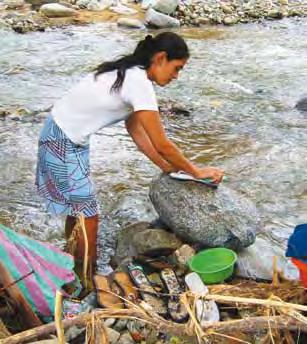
[256, 261]
[160, 20]
[57, 10]
[124, 247]
[166, 6]
[153, 241]
[302, 105]
[130, 23]
[40, 2]
[14, 4]
[113, 335]
[148, 3]
[230, 20]
[94, 5]
[121, 9]
[209, 217]
[125, 338]
[138, 238]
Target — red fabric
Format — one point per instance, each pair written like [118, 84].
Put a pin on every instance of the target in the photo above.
[303, 270]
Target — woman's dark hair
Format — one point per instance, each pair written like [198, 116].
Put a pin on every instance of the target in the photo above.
[174, 46]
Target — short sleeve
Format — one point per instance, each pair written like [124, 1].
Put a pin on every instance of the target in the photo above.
[138, 90]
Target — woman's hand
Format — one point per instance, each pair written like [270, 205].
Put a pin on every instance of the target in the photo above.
[213, 173]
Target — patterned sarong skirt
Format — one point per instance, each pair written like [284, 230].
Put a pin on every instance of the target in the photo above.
[63, 174]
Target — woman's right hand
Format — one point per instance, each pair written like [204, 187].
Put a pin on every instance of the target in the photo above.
[213, 173]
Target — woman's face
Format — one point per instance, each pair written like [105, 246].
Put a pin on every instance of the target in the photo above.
[162, 71]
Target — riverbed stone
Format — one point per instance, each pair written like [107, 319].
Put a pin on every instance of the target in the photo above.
[160, 20]
[256, 261]
[125, 338]
[139, 239]
[121, 9]
[40, 2]
[302, 104]
[13, 4]
[151, 242]
[230, 20]
[124, 247]
[166, 6]
[113, 335]
[57, 10]
[130, 23]
[205, 216]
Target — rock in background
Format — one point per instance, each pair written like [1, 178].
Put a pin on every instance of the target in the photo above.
[166, 6]
[160, 20]
[204, 216]
[200, 12]
[57, 10]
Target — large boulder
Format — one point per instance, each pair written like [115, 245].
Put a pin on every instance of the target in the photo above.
[57, 10]
[160, 20]
[166, 6]
[205, 216]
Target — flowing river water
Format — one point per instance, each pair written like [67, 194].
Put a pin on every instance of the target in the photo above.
[241, 85]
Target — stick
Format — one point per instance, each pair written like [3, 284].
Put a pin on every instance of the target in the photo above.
[252, 301]
[85, 260]
[16, 281]
[253, 324]
[248, 325]
[44, 330]
[58, 317]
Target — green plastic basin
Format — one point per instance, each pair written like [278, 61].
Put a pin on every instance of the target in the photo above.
[213, 265]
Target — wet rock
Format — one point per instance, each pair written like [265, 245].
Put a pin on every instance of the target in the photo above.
[91, 5]
[275, 13]
[113, 335]
[226, 9]
[151, 242]
[203, 21]
[130, 23]
[125, 338]
[138, 239]
[124, 246]
[57, 10]
[22, 24]
[302, 105]
[109, 322]
[166, 6]
[198, 214]
[160, 20]
[183, 254]
[229, 20]
[148, 3]
[121, 9]
[120, 325]
[256, 261]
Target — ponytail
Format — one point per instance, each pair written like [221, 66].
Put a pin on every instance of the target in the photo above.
[174, 46]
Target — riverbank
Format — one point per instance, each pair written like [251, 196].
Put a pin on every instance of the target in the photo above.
[23, 18]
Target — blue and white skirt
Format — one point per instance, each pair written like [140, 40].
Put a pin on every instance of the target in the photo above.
[63, 174]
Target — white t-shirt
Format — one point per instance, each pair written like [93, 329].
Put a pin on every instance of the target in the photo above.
[90, 105]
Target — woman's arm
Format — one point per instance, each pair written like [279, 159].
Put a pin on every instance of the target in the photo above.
[141, 139]
[151, 123]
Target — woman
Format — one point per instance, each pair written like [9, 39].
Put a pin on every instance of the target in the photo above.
[118, 90]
